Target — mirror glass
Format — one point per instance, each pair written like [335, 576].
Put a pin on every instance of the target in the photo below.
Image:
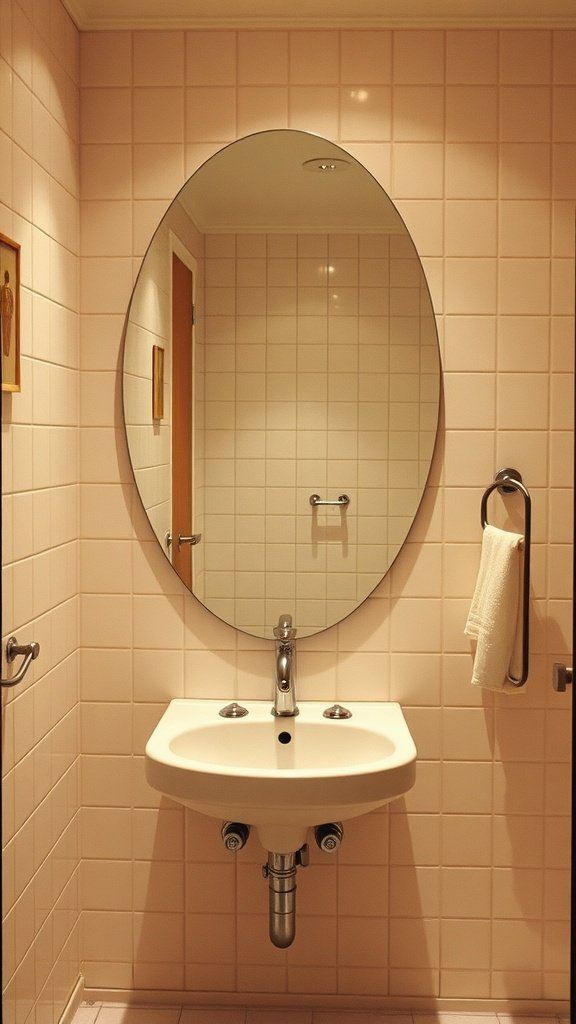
[280, 344]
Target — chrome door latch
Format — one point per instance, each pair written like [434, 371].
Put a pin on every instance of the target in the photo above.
[562, 676]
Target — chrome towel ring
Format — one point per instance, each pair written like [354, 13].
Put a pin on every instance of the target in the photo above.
[507, 481]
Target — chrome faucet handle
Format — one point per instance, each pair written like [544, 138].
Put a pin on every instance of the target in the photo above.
[284, 630]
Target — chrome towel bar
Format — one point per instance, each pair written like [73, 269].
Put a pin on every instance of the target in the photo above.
[13, 649]
[342, 501]
[507, 481]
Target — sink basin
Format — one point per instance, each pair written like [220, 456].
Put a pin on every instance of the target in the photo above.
[282, 775]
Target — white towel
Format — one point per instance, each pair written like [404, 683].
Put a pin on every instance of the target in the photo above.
[493, 619]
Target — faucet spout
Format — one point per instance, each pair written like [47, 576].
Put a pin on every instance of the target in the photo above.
[284, 667]
[285, 674]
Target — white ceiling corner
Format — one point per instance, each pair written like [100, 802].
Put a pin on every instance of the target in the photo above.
[99, 15]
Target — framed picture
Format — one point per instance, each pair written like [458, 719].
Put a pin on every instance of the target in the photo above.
[10, 313]
[157, 382]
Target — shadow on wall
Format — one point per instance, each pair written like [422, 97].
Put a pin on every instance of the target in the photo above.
[364, 915]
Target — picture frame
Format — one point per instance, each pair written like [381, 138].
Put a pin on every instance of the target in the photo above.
[157, 382]
[10, 313]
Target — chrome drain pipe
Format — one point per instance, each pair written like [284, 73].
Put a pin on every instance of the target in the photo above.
[281, 874]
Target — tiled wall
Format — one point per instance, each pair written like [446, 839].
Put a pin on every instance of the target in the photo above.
[39, 192]
[461, 890]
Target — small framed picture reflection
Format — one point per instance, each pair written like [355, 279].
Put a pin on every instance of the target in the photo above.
[10, 313]
[157, 382]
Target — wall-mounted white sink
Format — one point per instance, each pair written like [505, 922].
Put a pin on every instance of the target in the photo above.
[282, 775]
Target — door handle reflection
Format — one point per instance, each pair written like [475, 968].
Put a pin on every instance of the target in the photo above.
[192, 538]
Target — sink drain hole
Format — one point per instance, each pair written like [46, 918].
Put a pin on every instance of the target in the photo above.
[284, 737]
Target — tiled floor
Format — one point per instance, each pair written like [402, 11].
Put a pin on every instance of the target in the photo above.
[117, 1013]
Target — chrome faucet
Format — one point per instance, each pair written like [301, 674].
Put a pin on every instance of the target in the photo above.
[285, 670]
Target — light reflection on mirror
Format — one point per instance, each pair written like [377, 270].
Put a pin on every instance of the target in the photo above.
[310, 366]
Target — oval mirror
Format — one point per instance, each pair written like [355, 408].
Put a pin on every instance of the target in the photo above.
[281, 382]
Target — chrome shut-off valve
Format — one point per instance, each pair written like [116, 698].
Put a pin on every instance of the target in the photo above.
[329, 836]
[234, 835]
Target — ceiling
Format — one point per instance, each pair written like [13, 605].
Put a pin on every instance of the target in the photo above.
[285, 180]
[94, 15]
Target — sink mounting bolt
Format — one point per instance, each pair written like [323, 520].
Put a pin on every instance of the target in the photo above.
[234, 835]
[329, 836]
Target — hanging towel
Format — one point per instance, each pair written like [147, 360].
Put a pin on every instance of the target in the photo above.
[494, 616]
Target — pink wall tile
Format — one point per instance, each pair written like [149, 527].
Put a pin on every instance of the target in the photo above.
[158, 171]
[471, 57]
[515, 124]
[314, 58]
[158, 115]
[262, 58]
[418, 170]
[366, 57]
[418, 113]
[471, 113]
[465, 944]
[535, 46]
[365, 113]
[210, 58]
[158, 58]
[210, 114]
[418, 57]
[106, 115]
[106, 172]
[105, 58]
